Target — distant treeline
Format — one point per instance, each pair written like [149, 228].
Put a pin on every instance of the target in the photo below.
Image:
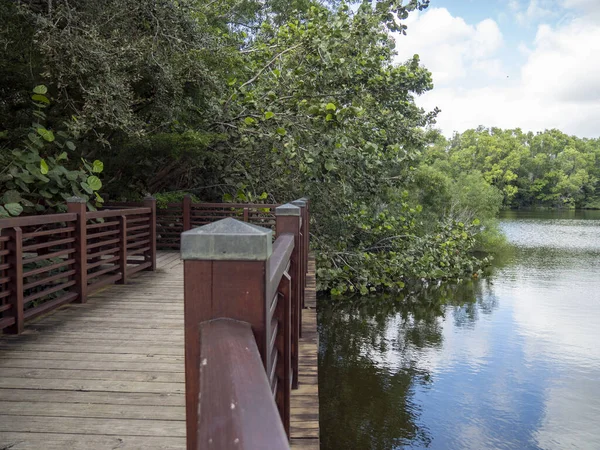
[547, 169]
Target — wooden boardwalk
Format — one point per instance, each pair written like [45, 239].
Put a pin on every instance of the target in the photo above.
[109, 374]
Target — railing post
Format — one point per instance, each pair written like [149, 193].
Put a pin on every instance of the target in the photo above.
[303, 256]
[225, 276]
[246, 214]
[285, 370]
[288, 221]
[150, 202]
[306, 229]
[15, 274]
[78, 206]
[123, 249]
[187, 212]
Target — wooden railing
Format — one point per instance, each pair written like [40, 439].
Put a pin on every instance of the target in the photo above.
[176, 218]
[48, 261]
[236, 279]
[243, 299]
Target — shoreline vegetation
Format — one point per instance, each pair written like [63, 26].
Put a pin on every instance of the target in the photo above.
[263, 102]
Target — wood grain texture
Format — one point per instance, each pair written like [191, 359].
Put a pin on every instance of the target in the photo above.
[305, 399]
[109, 373]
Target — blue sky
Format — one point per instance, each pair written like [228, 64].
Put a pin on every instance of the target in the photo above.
[532, 64]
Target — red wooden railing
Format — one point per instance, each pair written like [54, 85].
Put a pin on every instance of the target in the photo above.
[236, 279]
[175, 218]
[242, 311]
[48, 261]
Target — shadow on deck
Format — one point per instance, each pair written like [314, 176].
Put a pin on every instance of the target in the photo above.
[109, 374]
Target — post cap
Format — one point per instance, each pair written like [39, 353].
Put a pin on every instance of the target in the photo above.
[227, 239]
[287, 210]
[75, 199]
[299, 202]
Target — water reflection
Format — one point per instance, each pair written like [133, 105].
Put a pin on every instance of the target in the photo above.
[375, 356]
[510, 362]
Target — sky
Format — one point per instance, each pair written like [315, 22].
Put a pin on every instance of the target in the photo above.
[529, 64]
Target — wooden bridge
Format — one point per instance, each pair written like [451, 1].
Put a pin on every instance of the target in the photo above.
[110, 372]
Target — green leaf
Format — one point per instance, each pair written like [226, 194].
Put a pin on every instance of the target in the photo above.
[40, 89]
[330, 165]
[99, 198]
[43, 167]
[11, 196]
[62, 156]
[35, 139]
[86, 187]
[329, 117]
[330, 107]
[70, 145]
[249, 120]
[3, 213]
[94, 182]
[14, 209]
[46, 134]
[40, 98]
[97, 166]
[281, 131]
[269, 114]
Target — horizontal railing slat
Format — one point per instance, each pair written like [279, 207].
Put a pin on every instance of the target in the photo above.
[48, 244]
[118, 213]
[63, 230]
[99, 273]
[50, 305]
[56, 277]
[37, 295]
[57, 254]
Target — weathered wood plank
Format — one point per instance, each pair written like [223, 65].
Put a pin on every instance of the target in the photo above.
[108, 398]
[93, 385]
[56, 441]
[305, 400]
[85, 425]
[92, 410]
[109, 373]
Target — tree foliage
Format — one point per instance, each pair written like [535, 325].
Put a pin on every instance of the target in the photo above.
[249, 100]
[546, 169]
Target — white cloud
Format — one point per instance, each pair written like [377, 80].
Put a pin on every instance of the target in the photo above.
[565, 63]
[557, 86]
[590, 6]
[448, 46]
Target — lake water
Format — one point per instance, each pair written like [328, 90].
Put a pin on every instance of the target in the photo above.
[508, 362]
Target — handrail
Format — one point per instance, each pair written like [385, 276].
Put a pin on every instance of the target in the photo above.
[278, 262]
[233, 270]
[24, 221]
[235, 205]
[236, 408]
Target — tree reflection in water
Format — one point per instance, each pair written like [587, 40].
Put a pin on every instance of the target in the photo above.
[369, 363]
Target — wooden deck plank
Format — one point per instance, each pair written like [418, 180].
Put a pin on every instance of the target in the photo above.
[109, 373]
[56, 441]
[99, 411]
[305, 400]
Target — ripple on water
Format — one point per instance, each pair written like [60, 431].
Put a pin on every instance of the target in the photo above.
[516, 366]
